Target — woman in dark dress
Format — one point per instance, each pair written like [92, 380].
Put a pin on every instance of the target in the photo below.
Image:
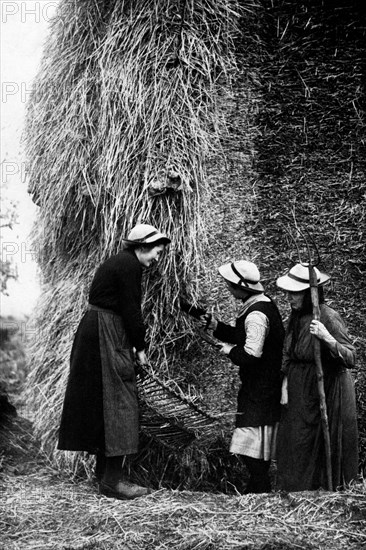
[100, 411]
[301, 460]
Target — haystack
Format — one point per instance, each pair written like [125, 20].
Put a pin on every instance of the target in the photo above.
[209, 120]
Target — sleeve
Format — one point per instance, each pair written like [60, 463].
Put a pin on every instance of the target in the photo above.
[342, 349]
[256, 329]
[285, 363]
[129, 301]
[225, 333]
[285, 354]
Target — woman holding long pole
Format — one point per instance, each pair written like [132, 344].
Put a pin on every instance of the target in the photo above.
[301, 446]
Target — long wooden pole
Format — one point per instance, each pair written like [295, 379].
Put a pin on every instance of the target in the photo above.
[320, 377]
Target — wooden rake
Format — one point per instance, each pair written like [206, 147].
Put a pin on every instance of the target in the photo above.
[313, 259]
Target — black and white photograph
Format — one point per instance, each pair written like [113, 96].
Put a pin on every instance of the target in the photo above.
[183, 275]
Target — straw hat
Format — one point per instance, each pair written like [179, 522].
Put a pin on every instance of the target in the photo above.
[297, 279]
[244, 274]
[143, 233]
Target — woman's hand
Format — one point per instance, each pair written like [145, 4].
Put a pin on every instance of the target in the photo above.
[284, 392]
[208, 321]
[226, 348]
[318, 329]
[141, 357]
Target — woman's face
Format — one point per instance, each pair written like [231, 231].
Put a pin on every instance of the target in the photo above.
[296, 300]
[147, 256]
[238, 293]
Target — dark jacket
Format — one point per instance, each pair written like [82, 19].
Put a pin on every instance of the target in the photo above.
[260, 392]
[116, 286]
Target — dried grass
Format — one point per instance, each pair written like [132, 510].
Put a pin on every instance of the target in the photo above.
[42, 512]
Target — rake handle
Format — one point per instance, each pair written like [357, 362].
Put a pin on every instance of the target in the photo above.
[320, 377]
[197, 313]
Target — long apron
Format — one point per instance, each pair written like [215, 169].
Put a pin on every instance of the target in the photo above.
[120, 403]
[100, 412]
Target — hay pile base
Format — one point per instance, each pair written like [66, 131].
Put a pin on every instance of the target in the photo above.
[42, 512]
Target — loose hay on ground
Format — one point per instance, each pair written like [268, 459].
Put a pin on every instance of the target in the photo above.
[43, 512]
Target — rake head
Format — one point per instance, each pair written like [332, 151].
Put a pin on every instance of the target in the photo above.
[307, 250]
[306, 247]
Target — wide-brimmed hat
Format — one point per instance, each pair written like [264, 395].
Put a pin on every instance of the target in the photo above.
[143, 233]
[243, 274]
[297, 279]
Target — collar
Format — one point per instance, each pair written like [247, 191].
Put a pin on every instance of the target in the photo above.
[253, 300]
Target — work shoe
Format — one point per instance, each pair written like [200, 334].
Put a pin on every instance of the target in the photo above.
[123, 490]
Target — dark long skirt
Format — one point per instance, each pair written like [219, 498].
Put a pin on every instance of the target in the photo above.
[300, 443]
[100, 411]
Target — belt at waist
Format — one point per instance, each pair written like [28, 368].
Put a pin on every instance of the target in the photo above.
[101, 309]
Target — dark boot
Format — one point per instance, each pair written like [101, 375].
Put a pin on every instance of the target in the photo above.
[259, 481]
[123, 490]
[112, 470]
[112, 485]
[100, 463]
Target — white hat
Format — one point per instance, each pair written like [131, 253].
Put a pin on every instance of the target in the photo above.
[297, 279]
[143, 233]
[243, 274]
